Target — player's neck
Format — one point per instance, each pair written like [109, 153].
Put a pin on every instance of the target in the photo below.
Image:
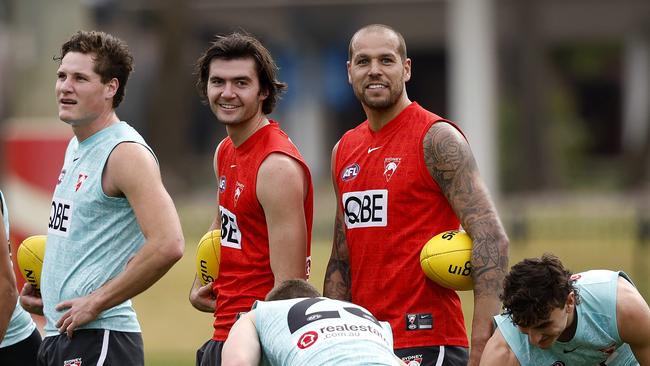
[570, 331]
[84, 130]
[240, 132]
[378, 118]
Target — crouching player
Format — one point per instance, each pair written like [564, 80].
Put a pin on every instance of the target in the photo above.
[555, 318]
[295, 326]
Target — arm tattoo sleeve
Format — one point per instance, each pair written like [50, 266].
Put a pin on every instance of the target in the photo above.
[337, 276]
[450, 162]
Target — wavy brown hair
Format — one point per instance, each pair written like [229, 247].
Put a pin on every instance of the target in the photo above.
[534, 287]
[242, 46]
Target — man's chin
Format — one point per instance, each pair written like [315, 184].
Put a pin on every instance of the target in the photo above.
[68, 121]
[378, 104]
[72, 122]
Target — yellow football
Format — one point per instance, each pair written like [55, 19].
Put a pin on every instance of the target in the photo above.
[208, 257]
[446, 260]
[29, 257]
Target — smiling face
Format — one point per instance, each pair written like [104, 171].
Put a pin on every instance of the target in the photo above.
[81, 96]
[546, 332]
[233, 91]
[376, 71]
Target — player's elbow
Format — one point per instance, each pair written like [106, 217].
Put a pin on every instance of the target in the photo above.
[175, 249]
[171, 249]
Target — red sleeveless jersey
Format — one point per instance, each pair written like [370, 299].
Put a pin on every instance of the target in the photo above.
[245, 272]
[391, 207]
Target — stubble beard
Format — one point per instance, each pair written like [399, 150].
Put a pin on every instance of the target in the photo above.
[380, 104]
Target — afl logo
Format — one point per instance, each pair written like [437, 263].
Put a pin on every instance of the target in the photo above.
[307, 340]
[222, 183]
[350, 172]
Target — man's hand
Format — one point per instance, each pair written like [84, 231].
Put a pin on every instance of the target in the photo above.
[30, 299]
[80, 311]
[202, 297]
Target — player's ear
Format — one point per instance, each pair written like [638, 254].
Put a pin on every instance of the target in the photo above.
[111, 88]
[264, 93]
[407, 69]
[571, 301]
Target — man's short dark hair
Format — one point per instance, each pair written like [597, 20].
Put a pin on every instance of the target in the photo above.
[291, 289]
[534, 288]
[242, 46]
[110, 54]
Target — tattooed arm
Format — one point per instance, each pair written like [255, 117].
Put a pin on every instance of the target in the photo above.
[450, 162]
[337, 276]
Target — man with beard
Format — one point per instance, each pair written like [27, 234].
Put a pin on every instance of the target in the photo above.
[401, 177]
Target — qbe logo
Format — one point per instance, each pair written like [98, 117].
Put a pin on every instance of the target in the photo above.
[366, 208]
[230, 234]
[60, 217]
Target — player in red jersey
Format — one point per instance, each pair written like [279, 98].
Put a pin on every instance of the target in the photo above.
[265, 196]
[402, 176]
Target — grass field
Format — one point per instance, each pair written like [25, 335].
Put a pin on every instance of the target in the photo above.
[173, 329]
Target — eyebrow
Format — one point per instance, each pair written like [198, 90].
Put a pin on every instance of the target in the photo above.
[75, 73]
[236, 78]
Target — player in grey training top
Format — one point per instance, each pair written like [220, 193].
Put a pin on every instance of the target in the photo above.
[297, 327]
[555, 318]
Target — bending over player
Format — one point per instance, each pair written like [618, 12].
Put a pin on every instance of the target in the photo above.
[295, 326]
[555, 318]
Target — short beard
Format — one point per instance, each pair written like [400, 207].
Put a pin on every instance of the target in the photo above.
[382, 104]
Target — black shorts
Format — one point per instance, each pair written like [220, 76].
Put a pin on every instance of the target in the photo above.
[99, 347]
[22, 353]
[434, 356]
[209, 354]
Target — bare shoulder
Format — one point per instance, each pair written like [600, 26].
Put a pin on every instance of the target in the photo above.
[632, 313]
[497, 352]
[129, 164]
[280, 168]
[131, 154]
